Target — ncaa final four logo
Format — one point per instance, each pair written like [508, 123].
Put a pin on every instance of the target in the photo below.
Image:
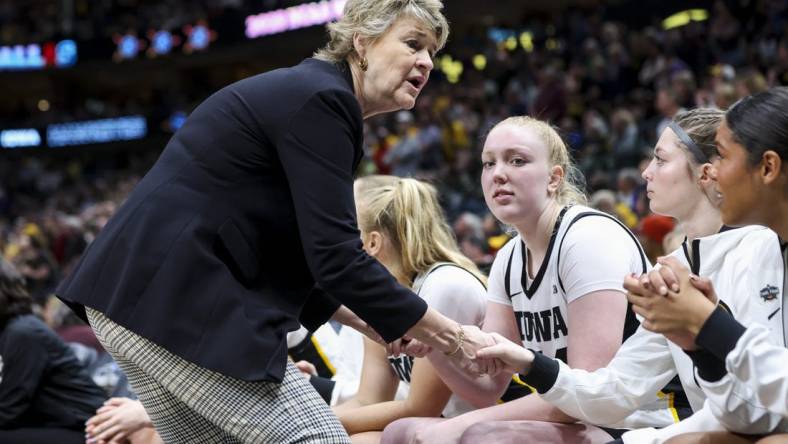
[769, 293]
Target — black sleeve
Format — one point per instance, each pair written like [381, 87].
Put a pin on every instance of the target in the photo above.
[317, 153]
[319, 308]
[23, 362]
[710, 367]
[543, 373]
[720, 333]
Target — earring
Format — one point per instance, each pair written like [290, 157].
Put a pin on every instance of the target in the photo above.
[363, 63]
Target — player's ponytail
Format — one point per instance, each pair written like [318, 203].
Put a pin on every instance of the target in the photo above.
[408, 212]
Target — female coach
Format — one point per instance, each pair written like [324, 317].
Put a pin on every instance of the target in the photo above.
[246, 226]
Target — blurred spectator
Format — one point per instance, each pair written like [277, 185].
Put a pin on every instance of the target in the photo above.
[46, 395]
[724, 30]
[605, 201]
[468, 225]
[668, 104]
[630, 188]
[724, 96]
[404, 156]
[651, 232]
[625, 139]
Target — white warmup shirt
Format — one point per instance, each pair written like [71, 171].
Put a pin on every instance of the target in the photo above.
[647, 360]
[753, 396]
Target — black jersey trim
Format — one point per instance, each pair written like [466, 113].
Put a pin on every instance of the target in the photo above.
[594, 213]
[694, 260]
[530, 290]
[631, 322]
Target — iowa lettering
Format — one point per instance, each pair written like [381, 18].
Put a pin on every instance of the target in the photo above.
[546, 325]
[402, 365]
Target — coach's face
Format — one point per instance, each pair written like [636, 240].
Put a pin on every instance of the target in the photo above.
[399, 65]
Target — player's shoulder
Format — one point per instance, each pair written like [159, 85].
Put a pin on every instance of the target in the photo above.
[453, 275]
[594, 228]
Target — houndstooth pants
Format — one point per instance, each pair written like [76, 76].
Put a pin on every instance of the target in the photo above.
[191, 404]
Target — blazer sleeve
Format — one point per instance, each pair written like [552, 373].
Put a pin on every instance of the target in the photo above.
[319, 308]
[317, 152]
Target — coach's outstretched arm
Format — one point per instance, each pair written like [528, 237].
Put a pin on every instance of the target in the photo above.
[321, 185]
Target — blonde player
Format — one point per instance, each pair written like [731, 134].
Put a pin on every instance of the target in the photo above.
[403, 227]
[555, 288]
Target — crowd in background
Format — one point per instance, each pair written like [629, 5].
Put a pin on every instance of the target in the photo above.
[86, 20]
[608, 88]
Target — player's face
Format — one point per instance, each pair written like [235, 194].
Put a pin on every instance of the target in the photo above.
[515, 173]
[400, 62]
[737, 180]
[670, 184]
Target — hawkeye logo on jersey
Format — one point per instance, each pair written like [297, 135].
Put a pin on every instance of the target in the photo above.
[770, 293]
[544, 325]
[402, 365]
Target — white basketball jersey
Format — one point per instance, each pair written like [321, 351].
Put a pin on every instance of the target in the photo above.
[540, 301]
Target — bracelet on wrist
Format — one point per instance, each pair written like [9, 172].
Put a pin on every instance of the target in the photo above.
[460, 341]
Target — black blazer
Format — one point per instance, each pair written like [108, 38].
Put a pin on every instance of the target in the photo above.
[226, 243]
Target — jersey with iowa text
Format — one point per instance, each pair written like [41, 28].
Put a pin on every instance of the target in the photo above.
[595, 254]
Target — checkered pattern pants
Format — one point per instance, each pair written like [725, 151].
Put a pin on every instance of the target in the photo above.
[191, 404]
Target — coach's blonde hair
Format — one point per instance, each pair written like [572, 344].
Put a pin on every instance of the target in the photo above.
[570, 190]
[408, 213]
[372, 18]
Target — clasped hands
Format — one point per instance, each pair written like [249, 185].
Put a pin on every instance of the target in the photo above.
[672, 301]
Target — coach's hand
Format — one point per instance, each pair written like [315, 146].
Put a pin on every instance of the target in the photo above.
[408, 346]
[474, 339]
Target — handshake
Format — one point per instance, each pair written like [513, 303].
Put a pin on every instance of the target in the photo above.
[468, 347]
[474, 351]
